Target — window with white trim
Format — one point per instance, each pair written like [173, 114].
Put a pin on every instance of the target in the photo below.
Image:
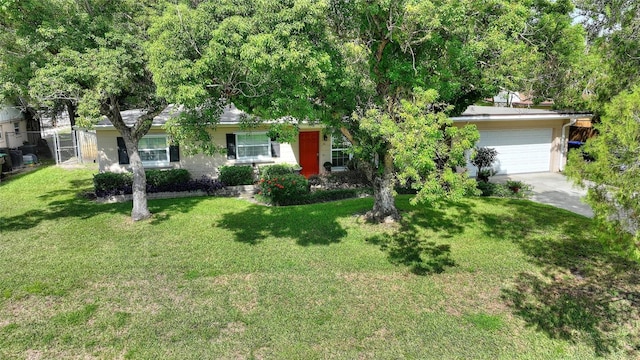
[16, 128]
[340, 154]
[154, 150]
[253, 146]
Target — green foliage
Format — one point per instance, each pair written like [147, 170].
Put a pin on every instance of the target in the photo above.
[165, 177]
[613, 51]
[613, 177]
[425, 146]
[510, 189]
[284, 189]
[319, 196]
[270, 171]
[328, 60]
[285, 131]
[236, 175]
[108, 181]
[342, 179]
[483, 158]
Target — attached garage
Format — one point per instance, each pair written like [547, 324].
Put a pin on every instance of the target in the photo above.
[519, 151]
[527, 140]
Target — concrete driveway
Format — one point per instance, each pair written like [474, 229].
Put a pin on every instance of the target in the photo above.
[552, 189]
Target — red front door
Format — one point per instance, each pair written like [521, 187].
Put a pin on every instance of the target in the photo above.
[309, 152]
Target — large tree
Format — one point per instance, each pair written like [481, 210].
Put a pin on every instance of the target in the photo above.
[612, 92]
[386, 73]
[105, 75]
[613, 178]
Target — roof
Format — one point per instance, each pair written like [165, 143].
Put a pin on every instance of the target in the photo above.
[496, 113]
[10, 113]
[231, 115]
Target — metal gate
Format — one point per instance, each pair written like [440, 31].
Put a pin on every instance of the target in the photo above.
[75, 147]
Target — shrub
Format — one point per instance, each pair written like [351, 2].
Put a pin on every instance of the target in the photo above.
[109, 183]
[236, 175]
[205, 184]
[276, 170]
[511, 189]
[483, 159]
[284, 189]
[167, 177]
[175, 180]
[333, 195]
[352, 178]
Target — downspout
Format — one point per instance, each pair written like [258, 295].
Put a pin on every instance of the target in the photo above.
[564, 147]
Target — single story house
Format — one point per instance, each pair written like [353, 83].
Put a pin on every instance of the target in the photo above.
[244, 147]
[13, 127]
[527, 140]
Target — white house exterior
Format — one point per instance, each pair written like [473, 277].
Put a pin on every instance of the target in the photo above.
[527, 140]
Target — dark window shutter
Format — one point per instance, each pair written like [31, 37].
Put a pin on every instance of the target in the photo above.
[174, 153]
[275, 149]
[123, 156]
[231, 146]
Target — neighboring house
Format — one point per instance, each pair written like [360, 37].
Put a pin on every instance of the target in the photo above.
[13, 127]
[519, 100]
[527, 140]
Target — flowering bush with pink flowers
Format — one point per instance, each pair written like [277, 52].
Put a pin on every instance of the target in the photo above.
[284, 189]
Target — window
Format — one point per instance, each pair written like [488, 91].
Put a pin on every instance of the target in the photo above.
[16, 128]
[253, 146]
[154, 150]
[340, 155]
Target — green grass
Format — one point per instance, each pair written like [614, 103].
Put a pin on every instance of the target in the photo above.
[222, 278]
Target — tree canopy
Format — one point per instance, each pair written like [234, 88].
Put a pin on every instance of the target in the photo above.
[612, 92]
[88, 55]
[360, 67]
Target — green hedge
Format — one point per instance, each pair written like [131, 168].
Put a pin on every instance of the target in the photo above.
[108, 182]
[167, 177]
[276, 170]
[236, 175]
[333, 195]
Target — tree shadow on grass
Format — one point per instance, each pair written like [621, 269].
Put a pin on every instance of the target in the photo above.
[411, 243]
[70, 203]
[307, 225]
[584, 292]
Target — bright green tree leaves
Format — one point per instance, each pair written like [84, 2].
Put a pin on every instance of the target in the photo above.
[613, 177]
[425, 146]
[354, 65]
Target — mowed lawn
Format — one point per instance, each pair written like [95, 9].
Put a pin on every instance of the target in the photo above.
[222, 278]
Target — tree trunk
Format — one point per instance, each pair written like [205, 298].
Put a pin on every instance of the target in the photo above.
[384, 205]
[131, 136]
[72, 112]
[140, 210]
[33, 125]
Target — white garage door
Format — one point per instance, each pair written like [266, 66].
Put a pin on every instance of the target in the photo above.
[519, 151]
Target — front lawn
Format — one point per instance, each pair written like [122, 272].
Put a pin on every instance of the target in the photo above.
[222, 278]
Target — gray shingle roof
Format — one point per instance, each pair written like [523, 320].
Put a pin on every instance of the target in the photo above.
[231, 115]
